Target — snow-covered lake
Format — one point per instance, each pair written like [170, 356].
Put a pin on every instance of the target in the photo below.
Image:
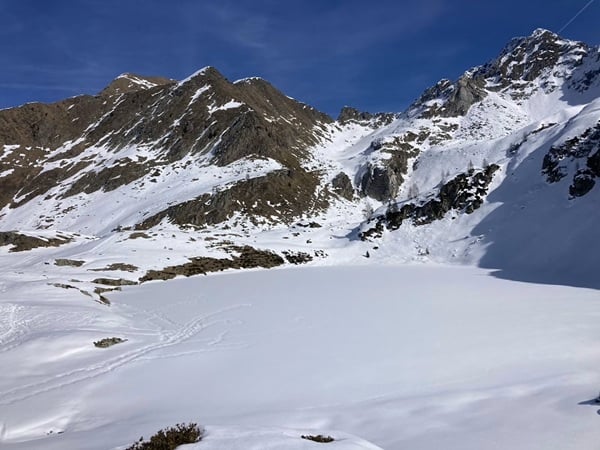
[405, 357]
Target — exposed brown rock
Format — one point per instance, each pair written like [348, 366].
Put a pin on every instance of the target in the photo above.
[382, 181]
[68, 262]
[117, 267]
[22, 242]
[342, 186]
[248, 258]
[114, 282]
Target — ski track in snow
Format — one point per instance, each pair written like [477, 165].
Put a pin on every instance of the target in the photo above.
[166, 338]
[15, 329]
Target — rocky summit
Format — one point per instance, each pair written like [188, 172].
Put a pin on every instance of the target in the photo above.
[498, 168]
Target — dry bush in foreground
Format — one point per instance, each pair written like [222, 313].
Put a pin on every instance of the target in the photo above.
[170, 438]
[318, 438]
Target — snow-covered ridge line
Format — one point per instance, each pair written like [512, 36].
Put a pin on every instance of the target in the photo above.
[199, 72]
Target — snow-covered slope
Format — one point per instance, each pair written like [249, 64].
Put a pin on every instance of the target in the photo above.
[403, 356]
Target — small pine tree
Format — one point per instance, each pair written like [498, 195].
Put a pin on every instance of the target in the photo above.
[392, 208]
[470, 167]
[413, 191]
[368, 210]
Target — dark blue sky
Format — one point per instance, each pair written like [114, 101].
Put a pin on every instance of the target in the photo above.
[376, 55]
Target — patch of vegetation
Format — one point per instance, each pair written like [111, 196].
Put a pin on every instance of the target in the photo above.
[102, 290]
[102, 299]
[138, 234]
[114, 282]
[171, 438]
[318, 438]
[309, 225]
[62, 285]
[297, 257]
[23, 242]
[117, 266]
[68, 262]
[107, 342]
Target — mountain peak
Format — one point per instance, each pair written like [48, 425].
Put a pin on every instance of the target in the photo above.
[539, 32]
[208, 72]
[130, 82]
[539, 35]
[527, 58]
[542, 61]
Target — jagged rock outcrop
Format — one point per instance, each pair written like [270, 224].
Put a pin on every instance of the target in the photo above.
[465, 193]
[581, 154]
[342, 186]
[380, 183]
[382, 179]
[541, 61]
[533, 57]
[447, 99]
[353, 115]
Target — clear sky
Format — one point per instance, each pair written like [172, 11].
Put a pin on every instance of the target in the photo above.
[376, 55]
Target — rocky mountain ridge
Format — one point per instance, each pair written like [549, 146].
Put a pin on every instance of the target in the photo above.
[203, 167]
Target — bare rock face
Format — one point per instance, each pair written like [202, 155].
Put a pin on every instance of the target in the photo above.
[382, 180]
[380, 183]
[454, 99]
[349, 114]
[583, 182]
[468, 91]
[342, 186]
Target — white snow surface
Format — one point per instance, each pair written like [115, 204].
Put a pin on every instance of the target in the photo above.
[403, 356]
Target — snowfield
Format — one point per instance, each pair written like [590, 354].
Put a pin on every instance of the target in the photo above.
[406, 357]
